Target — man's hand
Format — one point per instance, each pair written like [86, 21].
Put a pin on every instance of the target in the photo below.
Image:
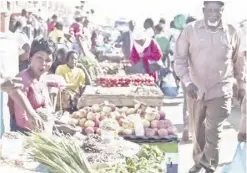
[192, 91]
[241, 137]
[11, 84]
[241, 95]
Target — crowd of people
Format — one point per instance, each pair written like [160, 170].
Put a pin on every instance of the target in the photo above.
[203, 56]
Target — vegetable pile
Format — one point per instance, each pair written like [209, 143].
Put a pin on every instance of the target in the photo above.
[109, 67]
[93, 119]
[148, 160]
[125, 81]
[141, 90]
[58, 154]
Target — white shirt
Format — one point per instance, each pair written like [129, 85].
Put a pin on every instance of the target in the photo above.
[21, 39]
[23, 20]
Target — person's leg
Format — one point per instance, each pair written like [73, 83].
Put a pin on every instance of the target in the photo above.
[217, 111]
[185, 136]
[197, 114]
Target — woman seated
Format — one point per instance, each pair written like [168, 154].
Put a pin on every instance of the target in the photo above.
[24, 103]
[145, 49]
[75, 77]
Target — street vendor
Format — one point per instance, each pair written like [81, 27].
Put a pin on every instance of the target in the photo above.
[74, 76]
[24, 102]
[75, 79]
[144, 49]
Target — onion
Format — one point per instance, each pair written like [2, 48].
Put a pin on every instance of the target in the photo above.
[89, 123]
[154, 124]
[162, 132]
[146, 123]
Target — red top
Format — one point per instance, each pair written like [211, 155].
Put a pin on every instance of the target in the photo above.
[75, 29]
[37, 94]
[152, 52]
[51, 26]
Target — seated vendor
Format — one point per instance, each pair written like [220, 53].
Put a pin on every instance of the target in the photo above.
[24, 103]
[74, 76]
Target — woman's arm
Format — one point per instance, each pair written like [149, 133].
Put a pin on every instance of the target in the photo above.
[22, 101]
[25, 108]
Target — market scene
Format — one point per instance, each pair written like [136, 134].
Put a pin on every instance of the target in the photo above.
[120, 86]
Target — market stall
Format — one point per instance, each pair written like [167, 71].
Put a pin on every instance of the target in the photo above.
[110, 138]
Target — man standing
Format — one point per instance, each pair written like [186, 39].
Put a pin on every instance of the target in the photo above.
[127, 40]
[207, 61]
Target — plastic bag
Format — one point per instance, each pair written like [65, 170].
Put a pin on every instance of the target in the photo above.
[168, 85]
[238, 164]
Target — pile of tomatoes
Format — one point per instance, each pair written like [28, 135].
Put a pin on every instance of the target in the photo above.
[126, 81]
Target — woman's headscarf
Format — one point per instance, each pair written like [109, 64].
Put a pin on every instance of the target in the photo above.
[139, 35]
[180, 21]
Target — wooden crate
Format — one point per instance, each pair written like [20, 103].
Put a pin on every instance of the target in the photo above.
[89, 98]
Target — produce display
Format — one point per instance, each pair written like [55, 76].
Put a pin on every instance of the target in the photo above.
[59, 154]
[129, 91]
[97, 151]
[90, 119]
[125, 81]
[109, 68]
[148, 160]
[64, 154]
[90, 64]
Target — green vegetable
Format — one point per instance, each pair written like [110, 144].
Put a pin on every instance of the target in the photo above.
[148, 160]
[58, 154]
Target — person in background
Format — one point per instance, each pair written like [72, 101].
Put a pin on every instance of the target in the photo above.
[149, 27]
[242, 130]
[76, 28]
[162, 21]
[74, 76]
[23, 45]
[243, 50]
[190, 19]
[87, 33]
[185, 135]
[52, 24]
[57, 35]
[60, 59]
[76, 79]
[162, 41]
[126, 39]
[24, 103]
[23, 18]
[144, 49]
[209, 85]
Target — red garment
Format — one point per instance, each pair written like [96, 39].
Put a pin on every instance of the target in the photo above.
[37, 94]
[152, 52]
[75, 29]
[51, 26]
